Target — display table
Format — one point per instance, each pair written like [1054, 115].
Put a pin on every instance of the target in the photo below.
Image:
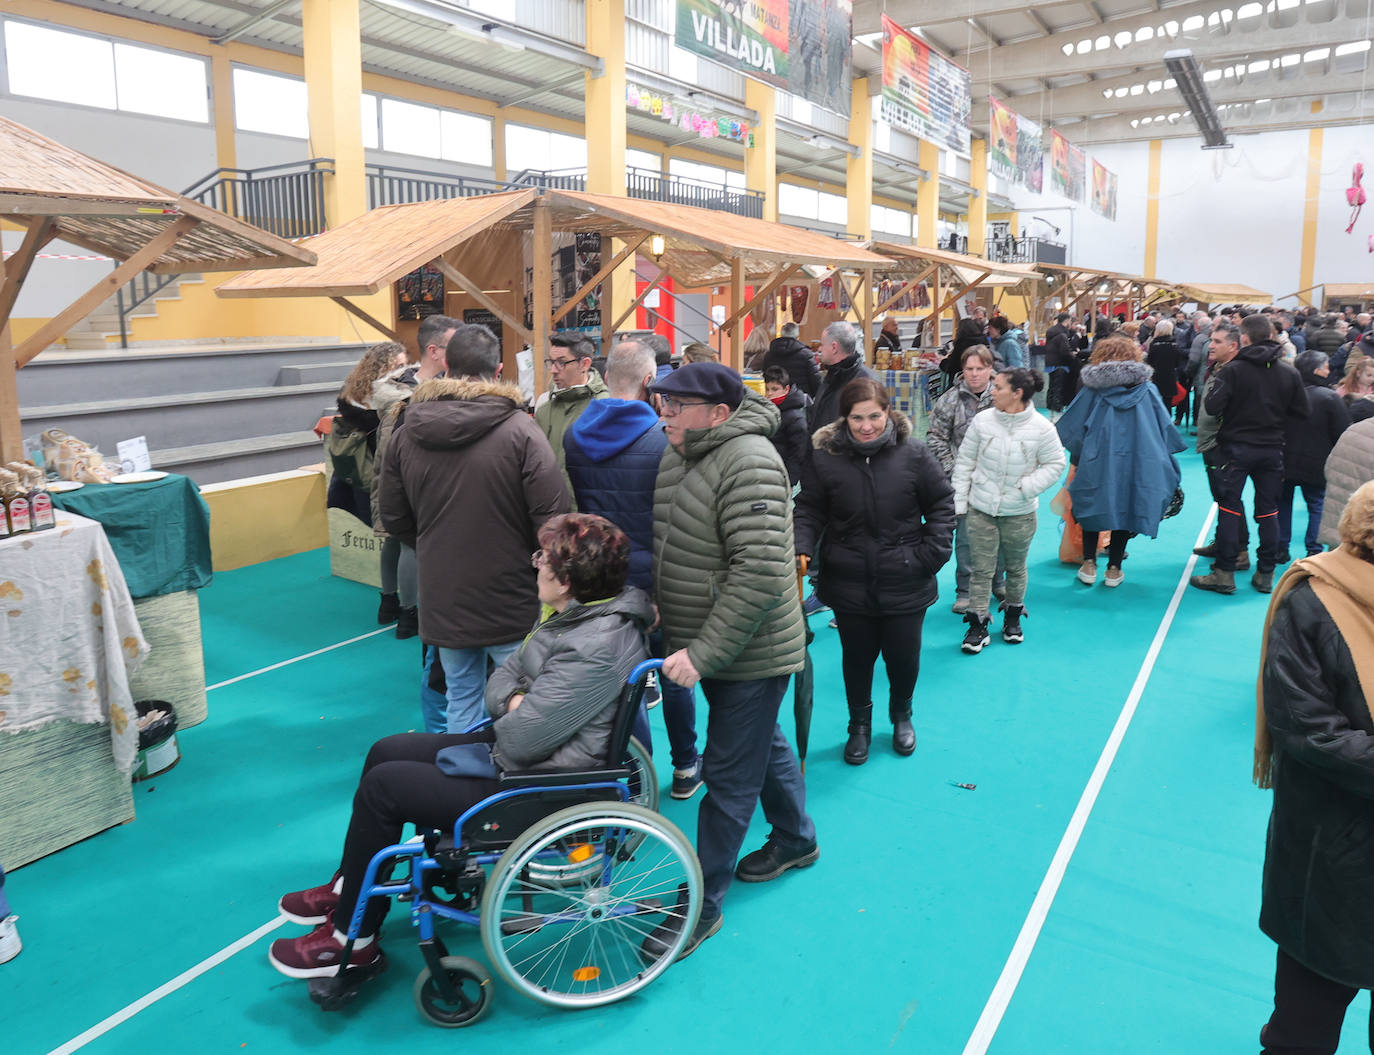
[67, 730]
[909, 392]
[160, 531]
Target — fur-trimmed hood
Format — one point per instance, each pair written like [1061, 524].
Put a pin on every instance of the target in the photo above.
[1112, 374]
[449, 412]
[835, 439]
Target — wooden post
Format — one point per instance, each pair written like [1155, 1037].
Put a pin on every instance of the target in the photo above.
[542, 294]
[864, 306]
[736, 302]
[11, 434]
[935, 314]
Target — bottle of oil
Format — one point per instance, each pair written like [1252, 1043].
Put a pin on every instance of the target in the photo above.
[15, 497]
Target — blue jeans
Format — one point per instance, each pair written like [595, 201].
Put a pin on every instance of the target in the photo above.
[1315, 497]
[679, 712]
[747, 760]
[465, 670]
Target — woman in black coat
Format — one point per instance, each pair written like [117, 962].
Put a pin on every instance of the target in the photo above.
[877, 511]
[1162, 357]
[966, 335]
[1307, 445]
[1315, 746]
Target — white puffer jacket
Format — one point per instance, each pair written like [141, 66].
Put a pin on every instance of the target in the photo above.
[1005, 462]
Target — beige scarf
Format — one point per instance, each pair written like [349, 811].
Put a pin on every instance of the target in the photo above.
[1345, 586]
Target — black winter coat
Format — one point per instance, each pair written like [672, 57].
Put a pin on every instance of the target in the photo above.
[1308, 441]
[1162, 358]
[1254, 396]
[798, 360]
[881, 525]
[793, 438]
[825, 404]
[1319, 857]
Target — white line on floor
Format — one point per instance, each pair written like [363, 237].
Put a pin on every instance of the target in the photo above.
[297, 659]
[120, 1017]
[1010, 978]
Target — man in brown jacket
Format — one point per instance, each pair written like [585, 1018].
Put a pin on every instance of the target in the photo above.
[468, 480]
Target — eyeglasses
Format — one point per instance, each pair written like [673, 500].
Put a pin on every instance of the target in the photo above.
[559, 363]
[538, 559]
[673, 406]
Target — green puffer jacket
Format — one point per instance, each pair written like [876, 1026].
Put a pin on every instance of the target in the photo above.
[563, 407]
[724, 563]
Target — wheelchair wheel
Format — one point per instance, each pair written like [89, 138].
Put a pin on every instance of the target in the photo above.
[471, 980]
[643, 791]
[578, 943]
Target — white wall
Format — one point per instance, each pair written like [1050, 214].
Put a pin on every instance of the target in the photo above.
[54, 284]
[1343, 257]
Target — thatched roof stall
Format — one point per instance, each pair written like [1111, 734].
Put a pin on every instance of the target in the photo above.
[463, 238]
[55, 192]
[1219, 293]
[1334, 294]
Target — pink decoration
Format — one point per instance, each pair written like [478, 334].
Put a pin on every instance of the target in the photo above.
[1355, 196]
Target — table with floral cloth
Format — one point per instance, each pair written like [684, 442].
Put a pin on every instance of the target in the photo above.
[69, 638]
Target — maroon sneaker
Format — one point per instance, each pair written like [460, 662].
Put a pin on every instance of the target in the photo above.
[317, 954]
[312, 907]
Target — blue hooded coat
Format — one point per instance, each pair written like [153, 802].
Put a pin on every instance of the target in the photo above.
[613, 450]
[1121, 439]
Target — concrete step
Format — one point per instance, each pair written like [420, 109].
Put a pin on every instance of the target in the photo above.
[211, 463]
[188, 419]
[311, 373]
[62, 377]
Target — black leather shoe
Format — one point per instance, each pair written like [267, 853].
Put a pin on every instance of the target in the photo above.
[903, 735]
[1263, 581]
[772, 861]
[408, 623]
[389, 608]
[856, 747]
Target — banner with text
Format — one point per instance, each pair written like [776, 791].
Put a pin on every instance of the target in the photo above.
[1003, 139]
[1068, 168]
[1030, 154]
[924, 93]
[801, 46]
[1104, 191]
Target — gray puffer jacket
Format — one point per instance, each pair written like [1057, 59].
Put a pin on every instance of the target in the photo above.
[724, 564]
[571, 669]
[1350, 465]
[949, 419]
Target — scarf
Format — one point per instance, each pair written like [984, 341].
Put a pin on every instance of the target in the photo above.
[1345, 586]
[874, 445]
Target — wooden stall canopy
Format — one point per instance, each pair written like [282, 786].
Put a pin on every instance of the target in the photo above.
[1348, 292]
[1216, 293]
[701, 248]
[54, 193]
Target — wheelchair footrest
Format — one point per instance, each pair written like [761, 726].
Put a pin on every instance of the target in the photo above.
[337, 990]
[521, 925]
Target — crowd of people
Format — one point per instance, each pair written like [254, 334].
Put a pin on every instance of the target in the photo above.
[668, 504]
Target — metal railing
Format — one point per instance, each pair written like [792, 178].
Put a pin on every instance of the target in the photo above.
[681, 190]
[1025, 251]
[393, 185]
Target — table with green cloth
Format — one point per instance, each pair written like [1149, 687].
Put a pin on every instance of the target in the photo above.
[160, 531]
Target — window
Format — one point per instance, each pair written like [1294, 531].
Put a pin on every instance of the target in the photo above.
[87, 71]
[890, 221]
[534, 148]
[371, 134]
[642, 159]
[271, 104]
[833, 208]
[465, 138]
[706, 173]
[410, 129]
[798, 201]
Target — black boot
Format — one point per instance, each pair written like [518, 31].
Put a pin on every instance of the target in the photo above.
[408, 623]
[389, 610]
[903, 735]
[860, 735]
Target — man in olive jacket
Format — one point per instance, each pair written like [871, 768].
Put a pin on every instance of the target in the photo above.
[469, 480]
[726, 590]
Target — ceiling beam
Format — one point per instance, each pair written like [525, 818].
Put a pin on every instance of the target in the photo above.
[868, 13]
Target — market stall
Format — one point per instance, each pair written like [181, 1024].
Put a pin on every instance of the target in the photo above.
[1084, 290]
[1213, 294]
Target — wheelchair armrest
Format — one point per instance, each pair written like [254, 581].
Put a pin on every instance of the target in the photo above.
[542, 778]
[481, 723]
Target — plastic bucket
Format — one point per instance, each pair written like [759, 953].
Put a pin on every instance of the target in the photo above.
[157, 742]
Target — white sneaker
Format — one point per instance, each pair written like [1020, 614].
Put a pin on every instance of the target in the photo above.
[1087, 574]
[10, 945]
[1114, 577]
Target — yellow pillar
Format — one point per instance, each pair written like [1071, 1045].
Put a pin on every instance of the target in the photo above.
[605, 132]
[1308, 268]
[978, 202]
[334, 85]
[222, 98]
[858, 180]
[928, 195]
[498, 147]
[1152, 210]
[761, 159]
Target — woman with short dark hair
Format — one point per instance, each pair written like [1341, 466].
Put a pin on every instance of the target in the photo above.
[876, 512]
[554, 703]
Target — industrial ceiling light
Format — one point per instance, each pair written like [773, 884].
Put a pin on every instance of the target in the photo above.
[1183, 68]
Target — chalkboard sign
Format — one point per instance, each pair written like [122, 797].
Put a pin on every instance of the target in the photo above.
[482, 317]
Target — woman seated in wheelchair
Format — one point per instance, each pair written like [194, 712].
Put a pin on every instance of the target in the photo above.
[554, 703]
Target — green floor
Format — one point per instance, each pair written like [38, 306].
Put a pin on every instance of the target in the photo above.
[892, 942]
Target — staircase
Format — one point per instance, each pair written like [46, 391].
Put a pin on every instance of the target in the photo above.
[211, 413]
[102, 326]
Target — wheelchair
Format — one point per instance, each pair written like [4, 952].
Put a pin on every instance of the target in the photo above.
[564, 874]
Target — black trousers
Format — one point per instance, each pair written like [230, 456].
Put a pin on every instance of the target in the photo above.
[1308, 1012]
[401, 783]
[862, 639]
[1116, 546]
[1263, 467]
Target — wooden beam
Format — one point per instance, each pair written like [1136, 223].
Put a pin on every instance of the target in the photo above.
[773, 283]
[12, 275]
[475, 291]
[909, 285]
[596, 280]
[62, 322]
[949, 301]
[11, 432]
[541, 275]
[638, 301]
[737, 301]
[375, 323]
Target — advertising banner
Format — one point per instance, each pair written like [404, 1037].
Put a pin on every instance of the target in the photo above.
[1068, 168]
[924, 93]
[1030, 154]
[1104, 192]
[801, 46]
[1003, 139]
